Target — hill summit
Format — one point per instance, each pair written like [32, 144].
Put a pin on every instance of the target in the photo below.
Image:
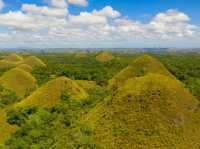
[19, 81]
[141, 66]
[104, 56]
[152, 111]
[13, 58]
[10, 61]
[33, 61]
[50, 93]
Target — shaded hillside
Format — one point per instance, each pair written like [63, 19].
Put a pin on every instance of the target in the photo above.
[104, 57]
[19, 81]
[146, 112]
[33, 61]
[140, 67]
[49, 94]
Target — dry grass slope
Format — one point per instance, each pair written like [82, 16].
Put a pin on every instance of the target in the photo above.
[49, 94]
[25, 67]
[153, 111]
[140, 67]
[18, 80]
[104, 57]
[33, 61]
[13, 58]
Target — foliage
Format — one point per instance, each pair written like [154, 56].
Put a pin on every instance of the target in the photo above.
[7, 96]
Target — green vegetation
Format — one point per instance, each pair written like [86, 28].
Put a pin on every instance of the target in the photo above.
[63, 100]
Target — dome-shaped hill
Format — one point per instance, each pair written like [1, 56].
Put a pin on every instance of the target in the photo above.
[49, 94]
[140, 67]
[104, 57]
[33, 61]
[13, 58]
[19, 81]
[25, 67]
[146, 112]
[5, 128]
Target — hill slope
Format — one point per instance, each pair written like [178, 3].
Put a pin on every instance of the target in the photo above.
[25, 67]
[13, 58]
[19, 81]
[146, 113]
[50, 93]
[104, 57]
[140, 67]
[33, 61]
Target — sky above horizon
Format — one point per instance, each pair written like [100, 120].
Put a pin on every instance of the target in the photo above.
[99, 23]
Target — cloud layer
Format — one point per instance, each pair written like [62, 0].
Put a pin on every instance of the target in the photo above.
[54, 25]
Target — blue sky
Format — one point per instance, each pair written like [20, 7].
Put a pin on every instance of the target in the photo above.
[100, 23]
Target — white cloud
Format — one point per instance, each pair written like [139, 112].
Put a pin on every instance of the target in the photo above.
[1, 4]
[59, 3]
[52, 24]
[172, 23]
[54, 12]
[86, 18]
[78, 2]
[107, 12]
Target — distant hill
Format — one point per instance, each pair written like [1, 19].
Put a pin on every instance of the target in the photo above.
[33, 61]
[19, 81]
[104, 56]
[140, 67]
[151, 111]
[50, 93]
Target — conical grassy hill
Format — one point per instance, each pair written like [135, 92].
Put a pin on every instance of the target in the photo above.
[10, 61]
[13, 58]
[149, 112]
[19, 81]
[25, 67]
[33, 61]
[49, 94]
[104, 56]
[140, 67]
